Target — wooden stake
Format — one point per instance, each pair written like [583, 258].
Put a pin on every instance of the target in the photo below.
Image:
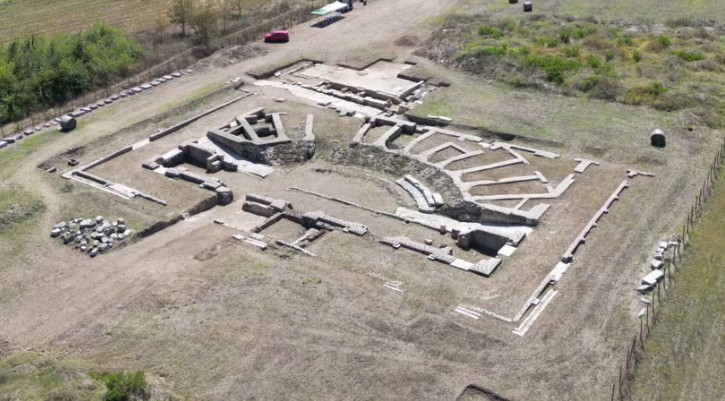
[620, 382]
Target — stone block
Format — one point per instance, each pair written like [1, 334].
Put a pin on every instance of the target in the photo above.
[224, 195]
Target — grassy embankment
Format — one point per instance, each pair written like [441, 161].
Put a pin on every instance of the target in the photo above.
[685, 353]
[676, 68]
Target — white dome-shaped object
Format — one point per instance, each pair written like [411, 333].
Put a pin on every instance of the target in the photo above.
[657, 139]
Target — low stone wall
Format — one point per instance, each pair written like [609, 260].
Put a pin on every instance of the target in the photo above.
[202, 206]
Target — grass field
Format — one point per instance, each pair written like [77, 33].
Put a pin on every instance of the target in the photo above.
[636, 11]
[685, 355]
[33, 16]
[49, 16]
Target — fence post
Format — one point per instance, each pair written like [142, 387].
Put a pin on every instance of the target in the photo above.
[621, 396]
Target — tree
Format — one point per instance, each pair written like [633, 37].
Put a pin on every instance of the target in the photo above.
[238, 4]
[224, 7]
[203, 21]
[181, 13]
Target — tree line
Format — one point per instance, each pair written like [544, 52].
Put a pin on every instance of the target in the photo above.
[37, 72]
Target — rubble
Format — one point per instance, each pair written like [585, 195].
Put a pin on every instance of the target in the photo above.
[101, 234]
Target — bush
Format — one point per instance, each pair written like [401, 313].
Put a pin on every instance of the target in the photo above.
[594, 61]
[37, 72]
[609, 55]
[664, 40]
[123, 386]
[655, 89]
[565, 35]
[689, 56]
[485, 30]
[589, 82]
[582, 32]
[572, 51]
[555, 67]
[636, 56]
[606, 89]
[627, 40]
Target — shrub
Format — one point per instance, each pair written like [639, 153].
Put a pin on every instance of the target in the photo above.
[636, 56]
[37, 71]
[121, 386]
[565, 35]
[572, 51]
[664, 40]
[582, 32]
[689, 56]
[589, 82]
[555, 67]
[594, 61]
[490, 51]
[548, 42]
[485, 30]
[627, 40]
[609, 55]
[606, 89]
[655, 89]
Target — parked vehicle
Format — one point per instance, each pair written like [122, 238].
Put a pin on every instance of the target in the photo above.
[277, 36]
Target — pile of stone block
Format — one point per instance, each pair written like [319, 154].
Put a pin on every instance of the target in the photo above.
[657, 264]
[91, 236]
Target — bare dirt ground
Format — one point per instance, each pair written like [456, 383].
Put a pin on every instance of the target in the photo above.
[220, 320]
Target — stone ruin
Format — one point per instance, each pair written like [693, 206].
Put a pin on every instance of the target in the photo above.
[91, 236]
[262, 138]
[317, 223]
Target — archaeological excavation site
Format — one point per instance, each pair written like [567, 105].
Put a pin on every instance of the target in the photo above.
[323, 221]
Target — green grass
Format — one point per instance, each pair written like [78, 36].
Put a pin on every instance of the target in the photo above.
[268, 70]
[680, 70]
[363, 57]
[20, 211]
[12, 156]
[194, 95]
[499, 108]
[33, 376]
[685, 354]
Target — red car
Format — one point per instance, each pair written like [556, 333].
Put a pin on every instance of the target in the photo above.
[277, 36]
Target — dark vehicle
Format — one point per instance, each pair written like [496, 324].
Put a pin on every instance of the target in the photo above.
[277, 36]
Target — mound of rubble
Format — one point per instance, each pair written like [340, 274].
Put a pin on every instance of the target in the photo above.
[91, 236]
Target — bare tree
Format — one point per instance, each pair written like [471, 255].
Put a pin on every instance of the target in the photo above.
[224, 7]
[203, 20]
[181, 12]
[238, 4]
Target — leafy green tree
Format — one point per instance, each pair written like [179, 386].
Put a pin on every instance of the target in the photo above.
[37, 71]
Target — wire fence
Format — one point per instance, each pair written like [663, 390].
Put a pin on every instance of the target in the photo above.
[672, 267]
